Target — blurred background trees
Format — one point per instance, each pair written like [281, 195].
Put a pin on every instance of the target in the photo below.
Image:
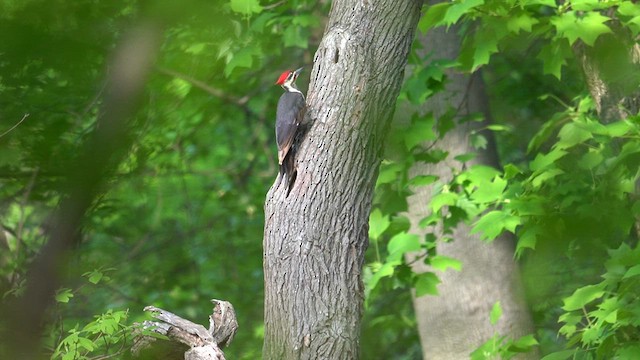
[180, 219]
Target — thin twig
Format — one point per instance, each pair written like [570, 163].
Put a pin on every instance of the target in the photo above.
[204, 86]
[274, 5]
[15, 126]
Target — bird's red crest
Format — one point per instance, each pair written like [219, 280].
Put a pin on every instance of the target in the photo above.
[283, 77]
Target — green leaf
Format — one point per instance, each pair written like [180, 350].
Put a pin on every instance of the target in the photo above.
[543, 161]
[85, 343]
[510, 171]
[498, 127]
[477, 50]
[543, 176]
[549, 3]
[586, 5]
[496, 313]
[583, 296]
[633, 271]
[478, 175]
[427, 284]
[590, 335]
[611, 317]
[95, 276]
[572, 134]
[591, 159]
[443, 199]
[64, 295]
[521, 22]
[385, 270]
[241, 59]
[619, 128]
[195, 49]
[478, 141]
[423, 180]
[628, 8]
[634, 25]
[434, 16]
[389, 173]
[465, 157]
[489, 191]
[628, 352]
[587, 27]
[458, 9]
[441, 262]
[402, 243]
[527, 239]
[546, 130]
[524, 344]
[529, 205]
[421, 130]
[179, 87]
[554, 55]
[377, 224]
[491, 224]
[246, 7]
[559, 355]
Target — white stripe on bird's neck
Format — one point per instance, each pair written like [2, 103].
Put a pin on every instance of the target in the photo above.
[291, 88]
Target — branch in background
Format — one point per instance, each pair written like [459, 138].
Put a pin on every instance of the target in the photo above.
[274, 5]
[15, 126]
[204, 86]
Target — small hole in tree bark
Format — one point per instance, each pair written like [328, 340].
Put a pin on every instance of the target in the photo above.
[336, 57]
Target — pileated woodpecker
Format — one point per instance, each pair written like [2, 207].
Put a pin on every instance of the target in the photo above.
[291, 110]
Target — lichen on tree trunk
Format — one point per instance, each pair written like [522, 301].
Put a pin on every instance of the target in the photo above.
[315, 238]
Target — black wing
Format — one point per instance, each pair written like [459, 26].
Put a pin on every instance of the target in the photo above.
[291, 109]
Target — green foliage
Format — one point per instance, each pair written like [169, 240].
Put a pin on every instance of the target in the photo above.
[570, 195]
[495, 23]
[570, 192]
[106, 335]
[602, 319]
[180, 221]
[501, 346]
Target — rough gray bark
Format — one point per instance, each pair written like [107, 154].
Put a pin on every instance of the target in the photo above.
[456, 322]
[314, 239]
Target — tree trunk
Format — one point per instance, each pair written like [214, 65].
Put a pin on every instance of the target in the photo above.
[315, 238]
[98, 158]
[456, 322]
[611, 69]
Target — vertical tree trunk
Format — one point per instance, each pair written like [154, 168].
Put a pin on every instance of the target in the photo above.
[456, 322]
[611, 70]
[97, 159]
[315, 238]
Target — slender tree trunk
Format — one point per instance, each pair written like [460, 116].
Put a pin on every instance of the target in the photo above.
[456, 322]
[315, 238]
[97, 159]
[611, 69]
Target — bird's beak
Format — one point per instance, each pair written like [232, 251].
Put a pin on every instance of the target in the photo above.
[297, 72]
